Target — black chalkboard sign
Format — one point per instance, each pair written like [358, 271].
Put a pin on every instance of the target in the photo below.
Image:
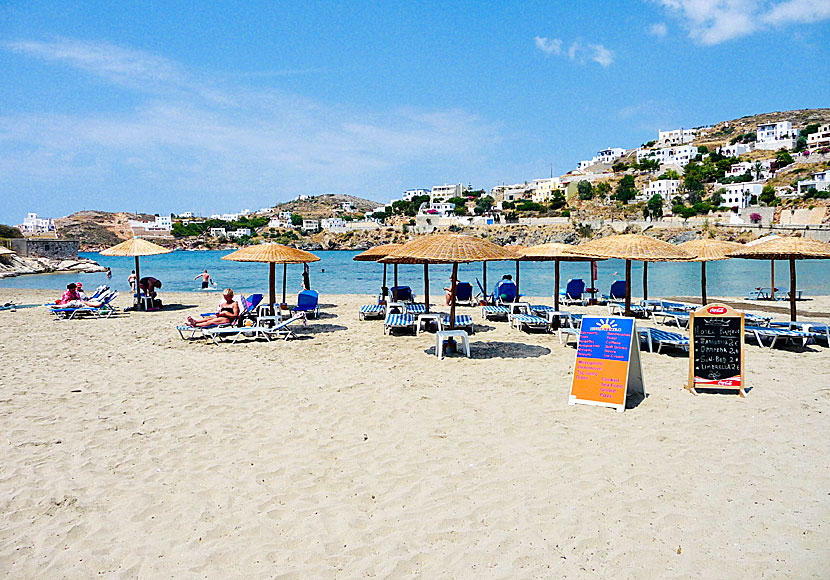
[716, 357]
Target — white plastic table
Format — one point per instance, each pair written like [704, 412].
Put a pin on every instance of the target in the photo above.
[443, 335]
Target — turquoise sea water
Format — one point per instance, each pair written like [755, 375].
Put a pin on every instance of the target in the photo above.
[337, 273]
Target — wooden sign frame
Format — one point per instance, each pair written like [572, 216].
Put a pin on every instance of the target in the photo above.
[603, 385]
[717, 311]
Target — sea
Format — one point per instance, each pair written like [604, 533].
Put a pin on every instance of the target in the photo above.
[338, 273]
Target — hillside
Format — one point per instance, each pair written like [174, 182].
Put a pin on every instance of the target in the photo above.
[723, 131]
[98, 228]
[327, 205]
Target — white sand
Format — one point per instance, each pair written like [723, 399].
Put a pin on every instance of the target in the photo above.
[130, 453]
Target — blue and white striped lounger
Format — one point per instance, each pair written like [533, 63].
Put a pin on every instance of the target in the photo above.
[399, 322]
[491, 312]
[529, 321]
[756, 319]
[823, 330]
[776, 334]
[567, 333]
[371, 310]
[663, 338]
[416, 308]
[462, 321]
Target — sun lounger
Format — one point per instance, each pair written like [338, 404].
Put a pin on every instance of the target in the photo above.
[529, 322]
[495, 312]
[105, 310]
[679, 319]
[416, 309]
[402, 294]
[757, 319]
[462, 321]
[464, 294]
[371, 311]
[399, 322]
[776, 334]
[279, 330]
[821, 329]
[574, 292]
[615, 308]
[566, 333]
[662, 338]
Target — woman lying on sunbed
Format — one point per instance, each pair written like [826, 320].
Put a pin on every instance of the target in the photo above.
[227, 314]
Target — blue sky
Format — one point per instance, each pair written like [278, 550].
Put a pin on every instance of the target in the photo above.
[175, 107]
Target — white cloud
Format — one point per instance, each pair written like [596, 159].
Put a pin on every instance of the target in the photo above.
[712, 22]
[221, 137]
[658, 29]
[549, 45]
[577, 51]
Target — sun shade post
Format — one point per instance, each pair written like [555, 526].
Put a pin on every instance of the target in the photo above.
[484, 275]
[703, 283]
[395, 287]
[272, 291]
[517, 280]
[452, 294]
[628, 287]
[645, 280]
[556, 285]
[137, 291]
[426, 287]
[284, 274]
[772, 281]
[792, 289]
[383, 286]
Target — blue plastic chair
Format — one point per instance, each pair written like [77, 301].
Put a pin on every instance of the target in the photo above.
[307, 301]
[464, 292]
[617, 291]
[574, 291]
[505, 291]
[401, 294]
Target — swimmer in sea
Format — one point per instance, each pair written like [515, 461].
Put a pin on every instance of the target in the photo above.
[206, 279]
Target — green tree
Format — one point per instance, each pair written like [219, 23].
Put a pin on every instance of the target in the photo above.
[783, 157]
[10, 232]
[558, 200]
[716, 199]
[626, 189]
[484, 204]
[649, 164]
[457, 200]
[460, 210]
[703, 149]
[655, 206]
[767, 195]
[585, 189]
[693, 179]
[602, 189]
[296, 219]
[619, 167]
[670, 174]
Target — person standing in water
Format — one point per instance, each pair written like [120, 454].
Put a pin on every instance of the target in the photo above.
[109, 274]
[206, 279]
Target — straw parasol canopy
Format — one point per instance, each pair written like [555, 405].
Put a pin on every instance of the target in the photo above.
[786, 248]
[375, 254]
[448, 249]
[630, 247]
[135, 247]
[556, 252]
[4, 251]
[708, 250]
[272, 254]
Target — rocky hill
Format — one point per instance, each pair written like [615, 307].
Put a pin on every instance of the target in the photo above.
[98, 228]
[327, 205]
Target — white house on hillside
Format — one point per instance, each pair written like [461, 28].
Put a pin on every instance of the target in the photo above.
[821, 181]
[665, 188]
[239, 232]
[332, 223]
[736, 150]
[35, 225]
[739, 194]
[749, 167]
[311, 225]
[820, 138]
[410, 193]
[608, 156]
[161, 224]
[444, 192]
[774, 136]
[669, 155]
[676, 137]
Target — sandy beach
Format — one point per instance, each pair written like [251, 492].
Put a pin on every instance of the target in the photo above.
[130, 453]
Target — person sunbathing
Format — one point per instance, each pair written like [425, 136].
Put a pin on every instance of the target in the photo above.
[228, 312]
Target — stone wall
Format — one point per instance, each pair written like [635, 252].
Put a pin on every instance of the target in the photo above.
[44, 248]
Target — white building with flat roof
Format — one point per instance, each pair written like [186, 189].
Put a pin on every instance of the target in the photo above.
[739, 194]
[736, 149]
[438, 208]
[239, 232]
[332, 223]
[35, 225]
[821, 181]
[744, 167]
[161, 224]
[185, 215]
[444, 192]
[410, 193]
[774, 136]
[665, 188]
[607, 156]
[820, 138]
[669, 155]
[676, 137]
[311, 225]
[218, 232]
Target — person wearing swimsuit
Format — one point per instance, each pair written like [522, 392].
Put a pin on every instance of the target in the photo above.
[228, 312]
[205, 279]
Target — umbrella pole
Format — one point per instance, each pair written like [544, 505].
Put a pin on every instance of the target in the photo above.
[395, 289]
[628, 287]
[383, 286]
[703, 283]
[136, 291]
[452, 294]
[284, 273]
[593, 283]
[517, 280]
[792, 289]
[556, 285]
[426, 287]
[272, 292]
[645, 280]
[772, 285]
[484, 275]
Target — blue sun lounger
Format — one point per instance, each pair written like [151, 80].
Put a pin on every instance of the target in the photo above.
[105, 310]
[663, 338]
[776, 334]
[371, 311]
[462, 321]
[495, 312]
[281, 330]
[399, 322]
[529, 322]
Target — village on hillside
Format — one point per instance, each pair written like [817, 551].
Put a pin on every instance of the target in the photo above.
[766, 171]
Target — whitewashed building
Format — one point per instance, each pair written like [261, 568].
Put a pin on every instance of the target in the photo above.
[161, 224]
[410, 193]
[665, 188]
[35, 225]
[676, 137]
[218, 232]
[821, 181]
[276, 222]
[607, 156]
[669, 155]
[820, 138]
[347, 206]
[239, 232]
[736, 149]
[739, 194]
[749, 167]
[444, 192]
[440, 208]
[185, 215]
[311, 225]
[332, 223]
[774, 136]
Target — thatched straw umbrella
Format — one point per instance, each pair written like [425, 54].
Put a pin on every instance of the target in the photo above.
[272, 254]
[4, 251]
[630, 247]
[449, 249]
[557, 253]
[786, 248]
[374, 255]
[135, 247]
[708, 250]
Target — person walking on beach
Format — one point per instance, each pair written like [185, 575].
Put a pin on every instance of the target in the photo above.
[131, 280]
[206, 279]
[306, 279]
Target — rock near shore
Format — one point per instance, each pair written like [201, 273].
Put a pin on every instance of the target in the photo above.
[16, 266]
